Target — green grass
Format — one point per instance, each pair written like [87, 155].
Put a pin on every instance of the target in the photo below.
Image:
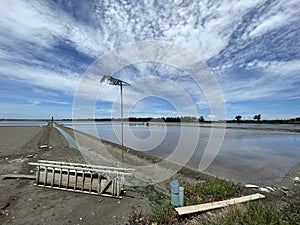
[252, 213]
[162, 211]
[212, 190]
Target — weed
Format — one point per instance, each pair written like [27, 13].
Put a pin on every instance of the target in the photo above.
[292, 213]
[212, 190]
[252, 213]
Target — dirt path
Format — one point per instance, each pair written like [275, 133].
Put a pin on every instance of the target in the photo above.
[30, 204]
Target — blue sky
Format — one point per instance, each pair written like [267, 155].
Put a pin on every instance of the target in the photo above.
[252, 47]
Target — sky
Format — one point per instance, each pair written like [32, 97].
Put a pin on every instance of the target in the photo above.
[251, 48]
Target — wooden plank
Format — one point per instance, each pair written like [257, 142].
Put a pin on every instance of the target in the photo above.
[215, 205]
[18, 176]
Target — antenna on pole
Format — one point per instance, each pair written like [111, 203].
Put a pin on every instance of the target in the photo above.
[117, 82]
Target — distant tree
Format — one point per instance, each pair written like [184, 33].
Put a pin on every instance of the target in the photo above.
[201, 119]
[238, 118]
[257, 117]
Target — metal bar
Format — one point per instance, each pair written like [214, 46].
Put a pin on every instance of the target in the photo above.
[44, 162]
[68, 179]
[46, 173]
[122, 122]
[91, 183]
[53, 177]
[108, 182]
[99, 183]
[83, 169]
[112, 185]
[60, 178]
[83, 179]
[38, 175]
[75, 184]
[86, 192]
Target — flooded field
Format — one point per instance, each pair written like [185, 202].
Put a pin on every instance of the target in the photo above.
[246, 155]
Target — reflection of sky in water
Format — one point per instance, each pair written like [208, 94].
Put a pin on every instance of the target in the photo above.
[255, 156]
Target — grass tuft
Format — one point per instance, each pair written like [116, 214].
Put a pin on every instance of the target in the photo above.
[212, 190]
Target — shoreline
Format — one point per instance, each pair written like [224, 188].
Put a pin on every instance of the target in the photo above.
[154, 159]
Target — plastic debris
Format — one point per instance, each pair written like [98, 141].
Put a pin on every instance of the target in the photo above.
[29, 156]
[263, 189]
[44, 146]
[296, 179]
[270, 188]
[251, 186]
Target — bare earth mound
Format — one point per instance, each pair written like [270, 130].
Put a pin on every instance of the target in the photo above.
[25, 203]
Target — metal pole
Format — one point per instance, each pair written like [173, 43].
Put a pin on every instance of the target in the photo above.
[122, 131]
[114, 81]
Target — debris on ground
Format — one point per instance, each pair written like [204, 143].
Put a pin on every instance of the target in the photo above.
[264, 189]
[44, 146]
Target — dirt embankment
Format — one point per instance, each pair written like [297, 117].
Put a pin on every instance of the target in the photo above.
[30, 204]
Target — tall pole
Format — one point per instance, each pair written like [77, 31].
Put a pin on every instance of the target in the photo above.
[122, 122]
[113, 81]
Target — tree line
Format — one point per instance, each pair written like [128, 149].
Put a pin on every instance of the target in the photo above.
[258, 119]
[255, 117]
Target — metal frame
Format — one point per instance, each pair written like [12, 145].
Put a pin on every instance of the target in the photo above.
[84, 178]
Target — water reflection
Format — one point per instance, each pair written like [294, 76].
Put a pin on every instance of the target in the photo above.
[256, 156]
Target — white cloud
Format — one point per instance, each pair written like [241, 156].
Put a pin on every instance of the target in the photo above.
[279, 14]
[34, 102]
[33, 34]
[269, 24]
[276, 77]
[64, 81]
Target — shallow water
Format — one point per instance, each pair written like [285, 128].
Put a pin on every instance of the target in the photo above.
[246, 156]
